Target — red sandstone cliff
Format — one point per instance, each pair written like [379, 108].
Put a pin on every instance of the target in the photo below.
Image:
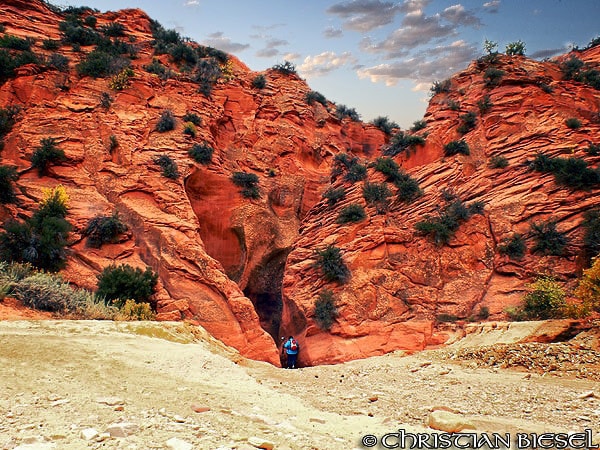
[242, 268]
[215, 251]
[400, 281]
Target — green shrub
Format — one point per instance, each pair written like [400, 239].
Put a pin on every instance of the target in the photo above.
[193, 118]
[351, 214]
[248, 182]
[492, 76]
[570, 172]
[207, 73]
[46, 154]
[576, 70]
[59, 62]
[484, 313]
[205, 51]
[573, 122]
[484, 105]
[113, 29]
[453, 105]
[40, 240]
[168, 166]
[514, 247]
[388, 167]
[202, 153]
[43, 291]
[75, 33]
[104, 229]
[105, 100]
[440, 87]
[157, 68]
[342, 111]
[456, 147]
[259, 82]
[445, 318]
[377, 195]
[285, 68]
[331, 264]
[7, 65]
[354, 171]
[588, 290]
[120, 283]
[166, 122]
[515, 48]
[122, 80]
[190, 129]
[8, 175]
[408, 188]
[401, 142]
[325, 310]
[442, 227]
[50, 44]
[113, 143]
[545, 301]
[591, 236]
[133, 310]
[548, 240]
[99, 64]
[50, 293]
[418, 125]
[91, 21]
[498, 162]
[15, 43]
[469, 121]
[334, 195]
[592, 150]
[313, 97]
[385, 124]
[7, 119]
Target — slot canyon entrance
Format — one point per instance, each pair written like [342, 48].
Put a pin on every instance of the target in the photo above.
[246, 239]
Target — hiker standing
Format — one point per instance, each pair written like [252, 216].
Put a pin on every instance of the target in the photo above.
[291, 348]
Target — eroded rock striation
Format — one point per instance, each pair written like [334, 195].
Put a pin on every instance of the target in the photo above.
[242, 266]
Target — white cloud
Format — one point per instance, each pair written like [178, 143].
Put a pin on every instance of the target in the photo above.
[437, 63]
[271, 48]
[332, 32]
[291, 56]
[324, 63]
[459, 16]
[191, 3]
[492, 6]
[218, 40]
[365, 15]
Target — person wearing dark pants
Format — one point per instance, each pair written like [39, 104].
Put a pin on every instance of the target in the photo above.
[291, 349]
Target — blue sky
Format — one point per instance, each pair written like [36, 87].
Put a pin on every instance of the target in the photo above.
[377, 56]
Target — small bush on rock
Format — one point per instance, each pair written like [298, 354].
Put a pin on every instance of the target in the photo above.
[331, 264]
[46, 154]
[334, 195]
[351, 214]
[168, 166]
[103, 230]
[166, 122]
[325, 310]
[117, 284]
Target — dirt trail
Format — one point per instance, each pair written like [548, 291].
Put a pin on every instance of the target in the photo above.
[63, 377]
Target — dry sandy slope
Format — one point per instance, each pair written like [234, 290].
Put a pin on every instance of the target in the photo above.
[56, 376]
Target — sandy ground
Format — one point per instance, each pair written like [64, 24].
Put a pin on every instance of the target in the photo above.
[168, 380]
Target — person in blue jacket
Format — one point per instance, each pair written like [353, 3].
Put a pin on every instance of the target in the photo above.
[291, 348]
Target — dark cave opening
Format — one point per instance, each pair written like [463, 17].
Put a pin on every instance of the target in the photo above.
[264, 290]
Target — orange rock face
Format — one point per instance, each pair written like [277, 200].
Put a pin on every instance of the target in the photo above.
[401, 281]
[220, 256]
[243, 268]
